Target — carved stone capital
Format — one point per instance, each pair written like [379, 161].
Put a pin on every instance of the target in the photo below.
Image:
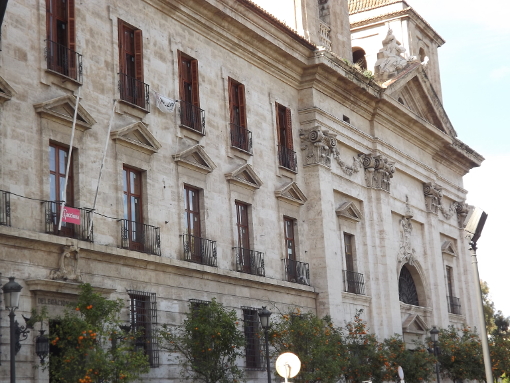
[319, 145]
[378, 171]
[433, 194]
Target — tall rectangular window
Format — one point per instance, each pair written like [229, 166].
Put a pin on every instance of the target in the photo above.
[353, 281]
[240, 136]
[132, 201]
[243, 236]
[191, 114]
[132, 87]
[58, 165]
[349, 258]
[252, 338]
[286, 154]
[61, 37]
[144, 319]
[289, 238]
[449, 281]
[192, 222]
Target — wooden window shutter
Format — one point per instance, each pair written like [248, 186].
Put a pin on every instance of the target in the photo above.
[242, 106]
[138, 55]
[49, 20]
[288, 128]
[231, 99]
[122, 54]
[181, 75]
[195, 99]
[277, 123]
[72, 25]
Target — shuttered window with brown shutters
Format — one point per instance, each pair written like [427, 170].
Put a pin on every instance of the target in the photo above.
[240, 135]
[286, 154]
[191, 114]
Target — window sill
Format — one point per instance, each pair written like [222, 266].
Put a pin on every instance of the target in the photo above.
[64, 77]
[189, 132]
[286, 171]
[125, 107]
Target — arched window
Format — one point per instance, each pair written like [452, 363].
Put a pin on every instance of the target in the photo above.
[422, 55]
[407, 292]
[401, 101]
[358, 57]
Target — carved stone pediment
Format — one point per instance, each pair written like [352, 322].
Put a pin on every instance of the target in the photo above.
[433, 195]
[195, 158]
[378, 171]
[350, 211]
[448, 248]
[291, 194]
[414, 323]
[6, 91]
[138, 137]
[245, 176]
[61, 110]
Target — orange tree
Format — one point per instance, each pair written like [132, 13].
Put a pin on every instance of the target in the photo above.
[89, 345]
[418, 364]
[461, 354]
[500, 356]
[209, 342]
[316, 342]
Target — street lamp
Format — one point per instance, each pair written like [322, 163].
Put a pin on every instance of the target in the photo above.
[434, 336]
[12, 292]
[264, 315]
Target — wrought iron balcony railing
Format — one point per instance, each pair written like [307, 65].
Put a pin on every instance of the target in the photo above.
[199, 250]
[453, 305]
[240, 138]
[297, 272]
[134, 91]
[249, 261]
[5, 208]
[354, 282]
[63, 60]
[140, 237]
[192, 117]
[82, 231]
[287, 158]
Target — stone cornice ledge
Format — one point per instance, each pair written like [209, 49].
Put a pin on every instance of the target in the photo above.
[356, 299]
[63, 287]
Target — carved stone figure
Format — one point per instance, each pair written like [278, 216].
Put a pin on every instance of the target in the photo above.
[68, 265]
[433, 195]
[389, 60]
[378, 171]
[324, 11]
[406, 253]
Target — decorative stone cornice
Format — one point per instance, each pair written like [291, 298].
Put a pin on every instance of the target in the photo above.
[378, 171]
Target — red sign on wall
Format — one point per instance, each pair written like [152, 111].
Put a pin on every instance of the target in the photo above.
[71, 215]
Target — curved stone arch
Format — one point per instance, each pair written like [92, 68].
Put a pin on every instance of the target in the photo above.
[422, 287]
[359, 56]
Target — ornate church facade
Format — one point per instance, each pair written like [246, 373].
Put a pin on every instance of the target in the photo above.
[174, 150]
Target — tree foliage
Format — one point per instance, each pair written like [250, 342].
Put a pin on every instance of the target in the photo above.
[91, 347]
[209, 342]
[316, 342]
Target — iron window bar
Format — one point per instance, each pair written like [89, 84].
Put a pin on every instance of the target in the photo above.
[192, 117]
[253, 353]
[297, 272]
[453, 305]
[249, 261]
[199, 250]
[134, 91]
[240, 138]
[64, 61]
[5, 208]
[72, 230]
[287, 158]
[140, 237]
[354, 282]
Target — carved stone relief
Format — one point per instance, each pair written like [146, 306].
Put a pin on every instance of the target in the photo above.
[433, 203]
[68, 265]
[406, 253]
[389, 60]
[378, 171]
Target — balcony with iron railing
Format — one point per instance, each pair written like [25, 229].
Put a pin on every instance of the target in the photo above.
[354, 282]
[62, 60]
[134, 91]
[5, 208]
[453, 305]
[240, 138]
[192, 117]
[249, 261]
[82, 231]
[297, 272]
[140, 237]
[199, 250]
[287, 158]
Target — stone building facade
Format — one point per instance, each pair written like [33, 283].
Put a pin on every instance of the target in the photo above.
[283, 176]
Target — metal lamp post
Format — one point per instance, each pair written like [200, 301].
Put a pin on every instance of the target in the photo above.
[264, 315]
[12, 292]
[434, 335]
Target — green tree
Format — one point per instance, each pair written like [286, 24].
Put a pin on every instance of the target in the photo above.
[461, 354]
[91, 347]
[209, 342]
[317, 343]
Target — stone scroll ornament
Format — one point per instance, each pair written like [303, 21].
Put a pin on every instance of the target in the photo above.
[68, 265]
[320, 145]
[433, 203]
[378, 171]
[406, 252]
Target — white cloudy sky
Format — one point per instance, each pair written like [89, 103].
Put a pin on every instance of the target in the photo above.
[475, 74]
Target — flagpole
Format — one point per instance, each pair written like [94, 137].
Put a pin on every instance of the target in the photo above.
[69, 160]
[102, 165]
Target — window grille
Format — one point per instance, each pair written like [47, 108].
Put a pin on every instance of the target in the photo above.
[406, 288]
[144, 318]
[252, 336]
